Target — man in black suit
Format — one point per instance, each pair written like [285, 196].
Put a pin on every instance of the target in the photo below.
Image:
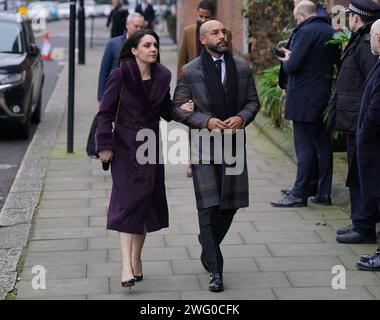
[365, 167]
[147, 11]
[309, 66]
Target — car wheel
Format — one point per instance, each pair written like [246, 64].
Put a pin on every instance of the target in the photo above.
[36, 116]
[25, 129]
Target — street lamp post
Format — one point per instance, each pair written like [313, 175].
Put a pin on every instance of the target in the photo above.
[71, 98]
[81, 33]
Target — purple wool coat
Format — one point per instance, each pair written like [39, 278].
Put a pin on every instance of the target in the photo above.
[138, 196]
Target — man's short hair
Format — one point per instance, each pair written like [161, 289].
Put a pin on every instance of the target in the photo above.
[307, 7]
[134, 15]
[207, 5]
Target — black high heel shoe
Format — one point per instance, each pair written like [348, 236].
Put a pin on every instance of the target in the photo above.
[139, 278]
[128, 284]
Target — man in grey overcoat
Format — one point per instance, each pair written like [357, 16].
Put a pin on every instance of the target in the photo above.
[225, 100]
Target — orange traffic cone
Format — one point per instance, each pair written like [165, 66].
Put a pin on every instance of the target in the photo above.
[46, 48]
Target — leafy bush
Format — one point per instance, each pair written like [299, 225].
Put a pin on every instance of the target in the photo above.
[172, 27]
[341, 37]
[271, 95]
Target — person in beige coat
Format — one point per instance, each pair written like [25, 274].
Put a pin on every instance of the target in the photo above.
[191, 47]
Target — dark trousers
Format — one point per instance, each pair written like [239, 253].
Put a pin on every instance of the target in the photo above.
[310, 138]
[357, 202]
[369, 216]
[363, 213]
[214, 225]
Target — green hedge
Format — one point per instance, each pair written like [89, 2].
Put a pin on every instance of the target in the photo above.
[172, 27]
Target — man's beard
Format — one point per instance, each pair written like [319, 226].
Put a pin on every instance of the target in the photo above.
[217, 49]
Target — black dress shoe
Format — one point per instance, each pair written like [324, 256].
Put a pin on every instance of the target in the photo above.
[366, 257]
[289, 201]
[216, 283]
[322, 200]
[344, 230]
[372, 264]
[313, 192]
[286, 191]
[203, 259]
[352, 237]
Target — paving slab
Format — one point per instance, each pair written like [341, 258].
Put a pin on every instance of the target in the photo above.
[296, 263]
[65, 257]
[324, 278]
[309, 250]
[58, 245]
[328, 293]
[230, 294]
[64, 287]
[58, 272]
[113, 269]
[250, 280]
[280, 237]
[157, 284]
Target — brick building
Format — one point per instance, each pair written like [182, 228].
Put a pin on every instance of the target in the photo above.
[230, 12]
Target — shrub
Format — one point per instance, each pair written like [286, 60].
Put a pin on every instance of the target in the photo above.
[271, 95]
[172, 27]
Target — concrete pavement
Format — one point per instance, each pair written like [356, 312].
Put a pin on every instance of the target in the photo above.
[269, 253]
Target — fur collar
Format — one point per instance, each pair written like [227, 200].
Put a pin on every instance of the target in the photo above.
[161, 78]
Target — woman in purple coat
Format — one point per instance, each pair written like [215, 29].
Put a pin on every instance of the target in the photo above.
[137, 95]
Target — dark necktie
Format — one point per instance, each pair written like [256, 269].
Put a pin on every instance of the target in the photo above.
[218, 64]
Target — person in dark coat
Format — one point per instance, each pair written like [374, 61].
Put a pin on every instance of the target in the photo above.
[117, 19]
[309, 64]
[225, 98]
[365, 166]
[146, 10]
[282, 82]
[135, 22]
[137, 95]
[356, 63]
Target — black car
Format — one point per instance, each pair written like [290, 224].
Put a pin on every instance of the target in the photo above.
[21, 74]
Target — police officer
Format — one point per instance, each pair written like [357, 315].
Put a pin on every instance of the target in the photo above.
[356, 63]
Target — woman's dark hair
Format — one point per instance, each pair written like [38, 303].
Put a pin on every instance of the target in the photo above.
[207, 5]
[133, 42]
